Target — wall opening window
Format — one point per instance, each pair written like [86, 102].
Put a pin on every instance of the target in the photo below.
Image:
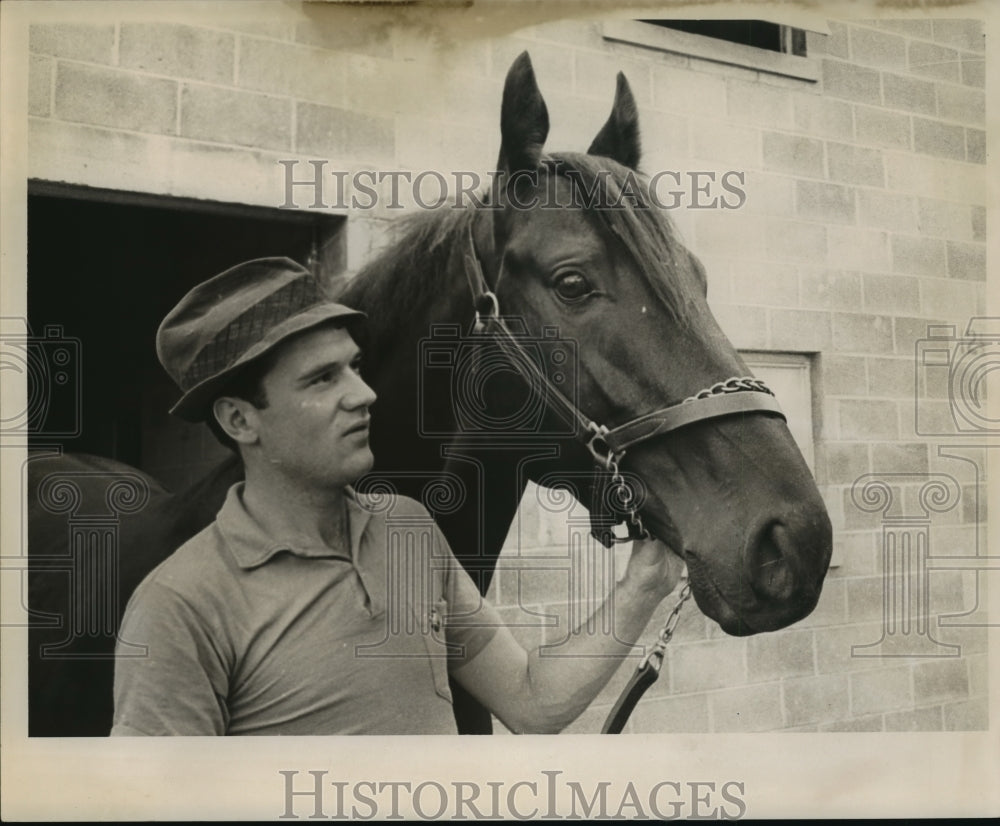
[763, 46]
[104, 268]
[759, 34]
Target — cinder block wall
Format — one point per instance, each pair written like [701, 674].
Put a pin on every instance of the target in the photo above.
[864, 223]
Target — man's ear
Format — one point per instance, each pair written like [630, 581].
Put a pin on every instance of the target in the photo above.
[237, 419]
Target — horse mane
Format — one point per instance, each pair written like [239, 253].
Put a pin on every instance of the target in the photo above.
[406, 276]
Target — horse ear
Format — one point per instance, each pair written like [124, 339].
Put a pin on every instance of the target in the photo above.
[619, 137]
[524, 118]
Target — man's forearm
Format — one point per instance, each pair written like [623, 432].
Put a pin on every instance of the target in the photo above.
[561, 686]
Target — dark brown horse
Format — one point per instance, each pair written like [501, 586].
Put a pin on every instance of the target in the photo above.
[611, 307]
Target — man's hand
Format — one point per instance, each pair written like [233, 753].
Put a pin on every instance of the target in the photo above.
[654, 567]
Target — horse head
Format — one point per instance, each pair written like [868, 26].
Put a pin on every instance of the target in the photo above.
[573, 242]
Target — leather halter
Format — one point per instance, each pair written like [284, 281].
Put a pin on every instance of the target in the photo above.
[608, 445]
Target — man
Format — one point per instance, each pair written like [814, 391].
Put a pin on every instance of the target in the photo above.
[304, 609]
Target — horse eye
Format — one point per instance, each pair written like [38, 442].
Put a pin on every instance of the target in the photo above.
[572, 287]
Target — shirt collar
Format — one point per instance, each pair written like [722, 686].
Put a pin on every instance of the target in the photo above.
[251, 547]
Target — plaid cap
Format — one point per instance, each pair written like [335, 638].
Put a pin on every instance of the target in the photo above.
[232, 319]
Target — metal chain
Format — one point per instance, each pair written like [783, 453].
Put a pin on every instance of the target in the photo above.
[736, 384]
[655, 656]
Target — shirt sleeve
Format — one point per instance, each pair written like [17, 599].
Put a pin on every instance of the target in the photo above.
[471, 621]
[180, 686]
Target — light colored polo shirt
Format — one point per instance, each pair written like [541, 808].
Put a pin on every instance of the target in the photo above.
[247, 634]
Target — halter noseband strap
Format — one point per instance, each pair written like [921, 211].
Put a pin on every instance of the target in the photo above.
[608, 446]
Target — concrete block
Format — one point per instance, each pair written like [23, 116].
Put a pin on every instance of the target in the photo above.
[751, 708]
[964, 104]
[178, 51]
[823, 117]
[962, 298]
[291, 69]
[914, 255]
[855, 164]
[966, 261]
[685, 713]
[931, 60]
[944, 219]
[975, 146]
[793, 154]
[40, 71]
[866, 419]
[699, 666]
[874, 48]
[781, 654]
[892, 294]
[935, 177]
[900, 457]
[746, 327]
[834, 645]
[974, 71]
[837, 43]
[720, 142]
[862, 333]
[815, 699]
[753, 103]
[940, 680]
[818, 201]
[929, 718]
[857, 553]
[857, 248]
[882, 127]
[883, 689]
[844, 80]
[909, 27]
[891, 377]
[756, 282]
[945, 140]
[967, 715]
[795, 240]
[845, 462]
[802, 330]
[229, 116]
[978, 223]
[826, 289]
[908, 93]
[596, 75]
[92, 43]
[870, 722]
[962, 34]
[108, 97]
[886, 210]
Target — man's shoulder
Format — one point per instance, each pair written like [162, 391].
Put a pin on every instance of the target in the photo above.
[195, 565]
[389, 504]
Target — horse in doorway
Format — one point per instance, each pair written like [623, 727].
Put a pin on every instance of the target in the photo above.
[555, 331]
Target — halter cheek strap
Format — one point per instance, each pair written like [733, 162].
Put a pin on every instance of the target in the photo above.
[619, 504]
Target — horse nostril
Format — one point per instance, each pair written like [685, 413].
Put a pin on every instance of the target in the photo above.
[771, 576]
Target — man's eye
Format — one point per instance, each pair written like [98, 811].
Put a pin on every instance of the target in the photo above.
[322, 378]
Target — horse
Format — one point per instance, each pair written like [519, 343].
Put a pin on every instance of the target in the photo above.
[648, 414]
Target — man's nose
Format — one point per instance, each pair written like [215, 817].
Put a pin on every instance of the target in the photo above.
[360, 394]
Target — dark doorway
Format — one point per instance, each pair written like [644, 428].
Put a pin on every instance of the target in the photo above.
[104, 267]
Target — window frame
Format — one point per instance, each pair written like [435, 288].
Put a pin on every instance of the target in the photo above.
[712, 49]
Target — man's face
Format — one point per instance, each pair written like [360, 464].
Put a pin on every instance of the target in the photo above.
[315, 424]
